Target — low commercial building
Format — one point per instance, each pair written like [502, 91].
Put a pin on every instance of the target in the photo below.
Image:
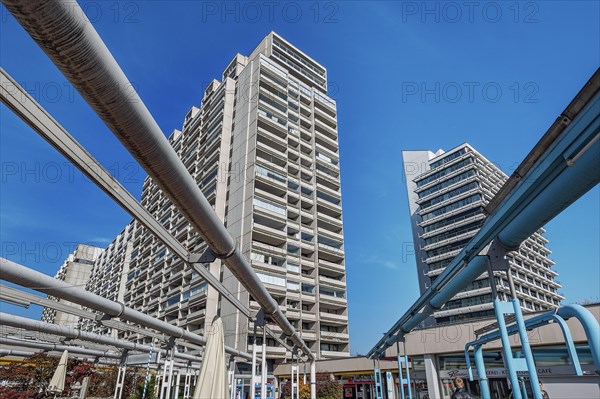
[436, 355]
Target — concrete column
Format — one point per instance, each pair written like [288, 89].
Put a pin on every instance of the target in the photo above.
[433, 381]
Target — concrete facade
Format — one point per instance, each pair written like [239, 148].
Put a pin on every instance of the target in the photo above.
[76, 270]
[263, 148]
[109, 275]
[447, 193]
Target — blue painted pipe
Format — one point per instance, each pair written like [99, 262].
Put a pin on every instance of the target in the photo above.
[565, 189]
[506, 348]
[533, 377]
[483, 380]
[470, 273]
[590, 326]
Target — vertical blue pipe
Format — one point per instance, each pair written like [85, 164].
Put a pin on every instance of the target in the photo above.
[523, 388]
[533, 377]
[468, 362]
[483, 381]
[570, 345]
[506, 349]
[400, 377]
[407, 376]
[590, 326]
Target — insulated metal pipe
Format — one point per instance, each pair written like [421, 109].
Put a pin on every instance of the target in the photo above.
[590, 326]
[51, 346]
[25, 277]
[62, 31]
[564, 190]
[74, 333]
[10, 352]
[483, 380]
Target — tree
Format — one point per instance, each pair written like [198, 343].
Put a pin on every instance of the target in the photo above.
[328, 387]
[150, 389]
[303, 390]
[15, 375]
[41, 369]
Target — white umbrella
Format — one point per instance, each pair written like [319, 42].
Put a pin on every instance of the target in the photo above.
[212, 382]
[57, 383]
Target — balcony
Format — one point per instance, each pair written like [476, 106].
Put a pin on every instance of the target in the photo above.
[331, 266]
[272, 120]
[333, 318]
[196, 316]
[326, 118]
[326, 151]
[292, 313]
[326, 134]
[334, 354]
[332, 282]
[334, 336]
[268, 235]
[333, 300]
[451, 239]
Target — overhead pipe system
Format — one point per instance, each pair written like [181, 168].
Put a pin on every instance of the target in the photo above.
[584, 316]
[32, 113]
[25, 277]
[10, 352]
[51, 346]
[563, 169]
[46, 347]
[71, 42]
[74, 333]
[12, 294]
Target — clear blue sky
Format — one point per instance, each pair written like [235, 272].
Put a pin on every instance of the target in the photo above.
[404, 77]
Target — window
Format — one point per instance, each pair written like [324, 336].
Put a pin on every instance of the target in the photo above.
[269, 279]
[292, 267]
[198, 289]
[293, 286]
[173, 300]
[308, 288]
[261, 170]
[449, 158]
[331, 292]
[328, 198]
[445, 172]
[329, 242]
[330, 347]
[451, 207]
[268, 205]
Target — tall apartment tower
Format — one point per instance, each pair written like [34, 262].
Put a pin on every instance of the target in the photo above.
[109, 275]
[76, 270]
[263, 148]
[447, 193]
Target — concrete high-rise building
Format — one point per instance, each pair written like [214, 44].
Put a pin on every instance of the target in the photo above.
[447, 193]
[109, 275]
[76, 270]
[263, 148]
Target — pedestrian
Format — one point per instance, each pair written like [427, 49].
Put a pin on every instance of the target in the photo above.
[544, 393]
[460, 392]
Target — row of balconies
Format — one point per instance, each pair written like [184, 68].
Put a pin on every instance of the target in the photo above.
[445, 177]
[450, 240]
[447, 189]
[453, 212]
[423, 211]
[454, 225]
